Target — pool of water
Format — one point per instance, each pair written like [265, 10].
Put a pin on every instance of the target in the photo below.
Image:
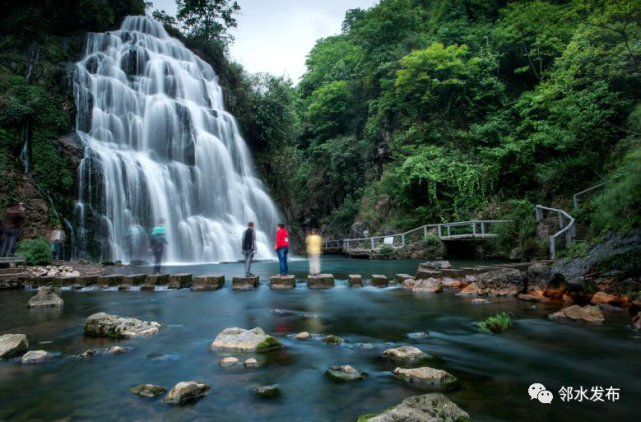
[495, 370]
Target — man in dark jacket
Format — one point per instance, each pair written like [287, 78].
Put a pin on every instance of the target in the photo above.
[13, 218]
[249, 247]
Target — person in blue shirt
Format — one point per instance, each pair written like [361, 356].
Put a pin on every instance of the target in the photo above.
[157, 242]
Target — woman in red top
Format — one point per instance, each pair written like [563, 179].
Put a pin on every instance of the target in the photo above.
[282, 248]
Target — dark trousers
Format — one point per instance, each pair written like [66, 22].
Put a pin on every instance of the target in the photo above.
[282, 259]
[57, 250]
[157, 251]
[249, 257]
[9, 244]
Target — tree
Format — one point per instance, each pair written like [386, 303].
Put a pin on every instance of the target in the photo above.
[207, 20]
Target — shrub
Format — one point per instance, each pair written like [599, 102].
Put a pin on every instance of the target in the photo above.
[629, 262]
[431, 243]
[269, 344]
[36, 252]
[496, 323]
[578, 250]
[387, 252]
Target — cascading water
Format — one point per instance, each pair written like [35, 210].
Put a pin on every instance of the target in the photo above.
[159, 144]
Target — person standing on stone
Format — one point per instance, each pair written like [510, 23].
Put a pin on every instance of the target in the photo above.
[282, 248]
[314, 242]
[158, 241]
[58, 240]
[249, 247]
[14, 215]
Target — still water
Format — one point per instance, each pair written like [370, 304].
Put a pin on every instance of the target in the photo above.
[495, 370]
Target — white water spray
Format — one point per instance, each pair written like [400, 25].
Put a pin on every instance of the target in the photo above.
[159, 144]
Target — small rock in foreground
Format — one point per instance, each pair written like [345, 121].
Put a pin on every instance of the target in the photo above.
[267, 391]
[36, 357]
[105, 325]
[251, 363]
[245, 340]
[589, 314]
[433, 407]
[185, 392]
[332, 339]
[405, 354]
[12, 345]
[118, 350]
[148, 390]
[45, 298]
[345, 373]
[227, 362]
[303, 336]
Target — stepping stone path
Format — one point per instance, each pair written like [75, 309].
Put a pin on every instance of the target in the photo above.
[208, 282]
[244, 283]
[379, 280]
[109, 280]
[282, 282]
[179, 281]
[320, 281]
[133, 279]
[185, 392]
[355, 280]
[400, 278]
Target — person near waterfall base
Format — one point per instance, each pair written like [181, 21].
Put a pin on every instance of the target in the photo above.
[314, 242]
[58, 241]
[282, 248]
[13, 218]
[249, 247]
[157, 242]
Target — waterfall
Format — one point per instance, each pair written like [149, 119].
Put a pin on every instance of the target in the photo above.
[159, 144]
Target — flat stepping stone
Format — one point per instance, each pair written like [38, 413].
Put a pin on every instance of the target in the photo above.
[133, 279]
[320, 281]
[179, 281]
[207, 282]
[379, 280]
[399, 278]
[109, 280]
[244, 283]
[355, 280]
[157, 280]
[282, 282]
[426, 375]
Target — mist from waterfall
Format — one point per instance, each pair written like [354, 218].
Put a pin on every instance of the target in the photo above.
[159, 144]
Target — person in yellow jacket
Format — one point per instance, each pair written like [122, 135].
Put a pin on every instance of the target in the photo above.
[314, 242]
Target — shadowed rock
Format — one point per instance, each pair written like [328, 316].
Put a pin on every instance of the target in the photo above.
[345, 373]
[433, 407]
[589, 314]
[12, 345]
[45, 298]
[404, 354]
[148, 390]
[185, 392]
[426, 375]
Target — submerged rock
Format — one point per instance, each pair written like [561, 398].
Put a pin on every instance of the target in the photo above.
[227, 362]
[105, 325]
[431, 285]
[405, 354]
[589, 314]
[480, 301]
[267, 391]
[303, 336]
[87, 354]
[345, 373]
[245, 340]
[426, 375]
[534, 297]
[332, 339]
[185, 392]
[148, 390]
[418, 336]
[12, 345]
[251, 363]
[433, 407]
[36, 357]
[117, 350]
[45, 298]
[603, 298]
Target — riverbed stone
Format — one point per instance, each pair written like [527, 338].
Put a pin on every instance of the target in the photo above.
[245, 340]
[12, 345]
[244, 283]
[267, 391]
[332, 339]
[433, 407]
[251, 363]
[179, 281]
[282, 282]
[423, 274]
[118, 350]
[105, 325]
[208, 282]
[148, 390]
[451, 283]
[404, 354]
[185, 392]
[418, 335]
[305, 335]
[228, 361]
[379, 280]
[355, 280]
[534, 296]
[426, 375]
[435, 265]
[45, 298]
[400, 278]
[320, 281]
[109, 280]
[588, 314]
[133, 279]
[431, 285]
[34, 357]
[87, 354]
[345, 373]
[603, 298]
[480, 301]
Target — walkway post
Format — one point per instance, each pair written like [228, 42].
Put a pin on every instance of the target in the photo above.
[372, 240]
[474, 228]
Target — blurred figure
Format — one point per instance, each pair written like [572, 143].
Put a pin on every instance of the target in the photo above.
[282, 248]
[14, 215]
[157, 242]
[58, 241]
[249, 247]
[133, 236]
[314, 242]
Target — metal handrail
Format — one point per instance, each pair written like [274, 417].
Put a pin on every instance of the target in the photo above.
[575, 200]
[569, 230]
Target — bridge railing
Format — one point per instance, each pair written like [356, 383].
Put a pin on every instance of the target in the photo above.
[445, 231]
[568, 230]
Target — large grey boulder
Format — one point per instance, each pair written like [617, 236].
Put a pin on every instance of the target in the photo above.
[105, 325]
[12, 345]
[46, 297]
[433, 407]
[185, 392]
[245, 340]
[35, 357]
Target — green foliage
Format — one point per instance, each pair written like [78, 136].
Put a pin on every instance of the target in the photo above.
[629, 263]
[269, 344]
[519, 231]
[431, 243]
[496, 323]
[578, 250]
[387, 252]
[205, 20]
[36, 252]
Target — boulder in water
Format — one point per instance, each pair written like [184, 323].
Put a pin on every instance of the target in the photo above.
[480, 302]
[589, 314]
[426, 375]
[379, 280]
[36, 356]
[345, 373]
[245, 340]
[46, 297]
[332, 339]
[433, 407]
[148, 390]
[355, 280]
[118, 350]
[435, 265]
[87, 354]
[431, 285]
[603, 298]
[228, 361]
[105, 325]
[251, 363]
[305, 335]
[185, 392]
[267, 391]
[12, 345]
[405, 354]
